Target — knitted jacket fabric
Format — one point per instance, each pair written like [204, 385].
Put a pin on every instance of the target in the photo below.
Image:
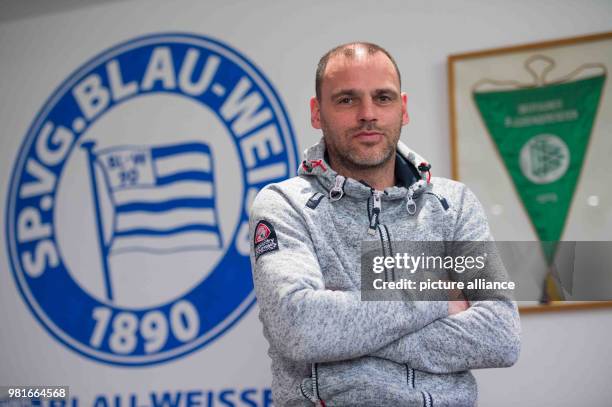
[326, 344]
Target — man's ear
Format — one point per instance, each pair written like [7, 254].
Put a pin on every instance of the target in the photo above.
[315, 113]
[405, 117]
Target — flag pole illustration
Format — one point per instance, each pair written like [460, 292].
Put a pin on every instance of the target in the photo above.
[541, 130]
[162, 200]
[91, 158]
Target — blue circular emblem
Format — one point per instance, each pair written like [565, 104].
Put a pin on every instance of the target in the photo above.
[127, 215]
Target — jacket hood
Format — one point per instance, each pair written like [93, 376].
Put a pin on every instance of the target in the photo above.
[411, 170]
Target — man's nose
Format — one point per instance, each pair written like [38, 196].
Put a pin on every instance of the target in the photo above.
[367, 111]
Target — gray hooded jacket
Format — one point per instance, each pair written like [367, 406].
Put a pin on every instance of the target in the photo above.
[329, 347]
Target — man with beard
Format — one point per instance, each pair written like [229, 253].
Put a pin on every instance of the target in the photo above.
[360, 183]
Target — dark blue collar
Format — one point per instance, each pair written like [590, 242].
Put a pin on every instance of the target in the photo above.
[405, 173]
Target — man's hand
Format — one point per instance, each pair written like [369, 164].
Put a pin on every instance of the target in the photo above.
[457, 302]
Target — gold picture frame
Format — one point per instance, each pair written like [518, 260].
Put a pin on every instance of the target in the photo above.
[480, 161]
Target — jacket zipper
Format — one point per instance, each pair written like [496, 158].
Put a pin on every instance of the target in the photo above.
[376, 207]
[383, 231]
[441, 199]
[337, 190]
[410, 378]
[385, 240]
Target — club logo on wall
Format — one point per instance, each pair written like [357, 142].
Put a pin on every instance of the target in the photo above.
[127, 215]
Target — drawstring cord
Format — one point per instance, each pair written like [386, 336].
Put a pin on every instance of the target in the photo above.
[309, 165]
[418, 187]
[337, 191]
[424, 169]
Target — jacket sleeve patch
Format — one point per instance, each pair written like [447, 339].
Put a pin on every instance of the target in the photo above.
[265, 239]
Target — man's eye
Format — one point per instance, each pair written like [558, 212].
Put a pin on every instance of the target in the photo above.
[384, 98]
[345, 100]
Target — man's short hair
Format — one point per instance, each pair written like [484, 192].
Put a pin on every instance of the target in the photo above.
[348, 50]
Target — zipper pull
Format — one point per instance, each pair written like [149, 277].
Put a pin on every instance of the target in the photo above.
[375, 212]
[413, 190]
[411, 205]
[337, 190]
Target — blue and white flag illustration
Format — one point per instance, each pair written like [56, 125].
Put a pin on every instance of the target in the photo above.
[162, 197]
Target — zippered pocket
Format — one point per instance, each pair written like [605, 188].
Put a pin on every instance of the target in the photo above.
[443, 202]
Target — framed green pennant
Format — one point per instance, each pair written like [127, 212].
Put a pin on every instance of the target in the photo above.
[531, 135]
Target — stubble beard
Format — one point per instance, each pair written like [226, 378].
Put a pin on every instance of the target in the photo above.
[350, 158]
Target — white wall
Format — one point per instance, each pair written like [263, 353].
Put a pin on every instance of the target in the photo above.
[565, 361]
[565, 358]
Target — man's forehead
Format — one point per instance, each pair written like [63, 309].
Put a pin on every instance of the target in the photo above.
[345, 66]
[357, 56]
